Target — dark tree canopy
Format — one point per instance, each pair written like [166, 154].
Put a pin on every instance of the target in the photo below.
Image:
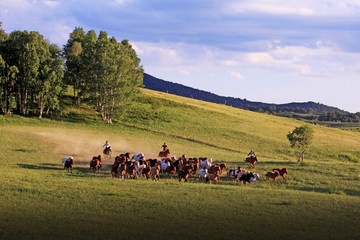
[31, 73]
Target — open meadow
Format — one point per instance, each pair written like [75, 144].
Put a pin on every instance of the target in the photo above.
[40, 200]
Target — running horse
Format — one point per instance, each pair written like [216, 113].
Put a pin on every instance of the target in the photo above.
[107, 153]
[251, 161]
[165, 153]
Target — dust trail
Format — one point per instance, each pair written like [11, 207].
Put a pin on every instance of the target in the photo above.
[84, 145]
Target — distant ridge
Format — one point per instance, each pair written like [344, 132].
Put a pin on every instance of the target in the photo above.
[160, 85]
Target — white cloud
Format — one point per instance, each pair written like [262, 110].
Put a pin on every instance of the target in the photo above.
[51, 3]
[236, 75]
[344, 8]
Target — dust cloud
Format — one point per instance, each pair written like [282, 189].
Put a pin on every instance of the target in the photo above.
[84, 145]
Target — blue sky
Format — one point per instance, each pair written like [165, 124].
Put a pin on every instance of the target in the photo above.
[274, 51]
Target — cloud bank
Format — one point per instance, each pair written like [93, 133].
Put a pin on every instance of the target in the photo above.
[274, 51]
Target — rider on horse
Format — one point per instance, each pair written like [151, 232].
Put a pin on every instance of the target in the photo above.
[252, 154]
[107, 146]
[164, 146]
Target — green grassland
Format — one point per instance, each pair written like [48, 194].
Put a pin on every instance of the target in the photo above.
[39, 200]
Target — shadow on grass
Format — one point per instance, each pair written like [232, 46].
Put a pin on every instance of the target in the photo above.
[44, 166]
[77, 171]
[22, 150]
[349, 192]
[243, 164]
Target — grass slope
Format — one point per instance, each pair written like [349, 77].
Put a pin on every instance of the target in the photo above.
[39, 200]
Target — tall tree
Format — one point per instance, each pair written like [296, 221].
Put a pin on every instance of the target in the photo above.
[112, 72]
[30, 72]
[75, 67]
[50, 84]
[300, 138]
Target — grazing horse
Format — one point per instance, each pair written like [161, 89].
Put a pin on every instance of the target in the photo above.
[69, 164]
[282, 172]
[251, 161]
[165, 153]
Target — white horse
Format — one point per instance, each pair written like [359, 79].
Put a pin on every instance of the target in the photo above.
[164, 164]
[206, 163]
[202, 173]
[139, 166]
[139, 157]
[256, 176]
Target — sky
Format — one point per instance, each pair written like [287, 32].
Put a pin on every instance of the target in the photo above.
[273, 51]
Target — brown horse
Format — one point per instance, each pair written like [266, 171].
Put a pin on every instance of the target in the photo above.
[130, 169]
[107, 152]
[122, 158]
[282, 172]
[114, 169]
[95, 163]
[122, 171]
[251, 161]
[272, 175]
[165, 153]
[69, 165]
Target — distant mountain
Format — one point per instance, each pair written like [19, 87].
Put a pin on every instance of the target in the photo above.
[157, 84]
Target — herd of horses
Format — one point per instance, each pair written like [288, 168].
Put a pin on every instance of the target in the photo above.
[125, 166]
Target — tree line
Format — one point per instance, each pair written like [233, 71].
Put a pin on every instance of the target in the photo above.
[34, 73]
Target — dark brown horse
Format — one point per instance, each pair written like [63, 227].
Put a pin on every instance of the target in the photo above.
[95, 163]
[107, 152]
[69, 165]
[165, 153]
[251, 161]
[122, 158]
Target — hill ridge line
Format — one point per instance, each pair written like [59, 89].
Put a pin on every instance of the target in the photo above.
[153, 83]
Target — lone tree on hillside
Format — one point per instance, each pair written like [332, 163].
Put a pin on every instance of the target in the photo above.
[301, 139]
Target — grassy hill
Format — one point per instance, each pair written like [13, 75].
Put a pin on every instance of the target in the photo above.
[39, 200]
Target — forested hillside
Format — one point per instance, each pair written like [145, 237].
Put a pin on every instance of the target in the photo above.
[309, 111]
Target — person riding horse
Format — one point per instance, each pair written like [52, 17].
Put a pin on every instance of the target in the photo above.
[252, 154]
[107, 146]
[164, 146]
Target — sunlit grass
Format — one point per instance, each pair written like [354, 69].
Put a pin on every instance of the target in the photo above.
[39, 199]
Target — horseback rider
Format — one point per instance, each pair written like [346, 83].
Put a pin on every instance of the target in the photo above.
[107, 146]
[252, 154]
[164, 146]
